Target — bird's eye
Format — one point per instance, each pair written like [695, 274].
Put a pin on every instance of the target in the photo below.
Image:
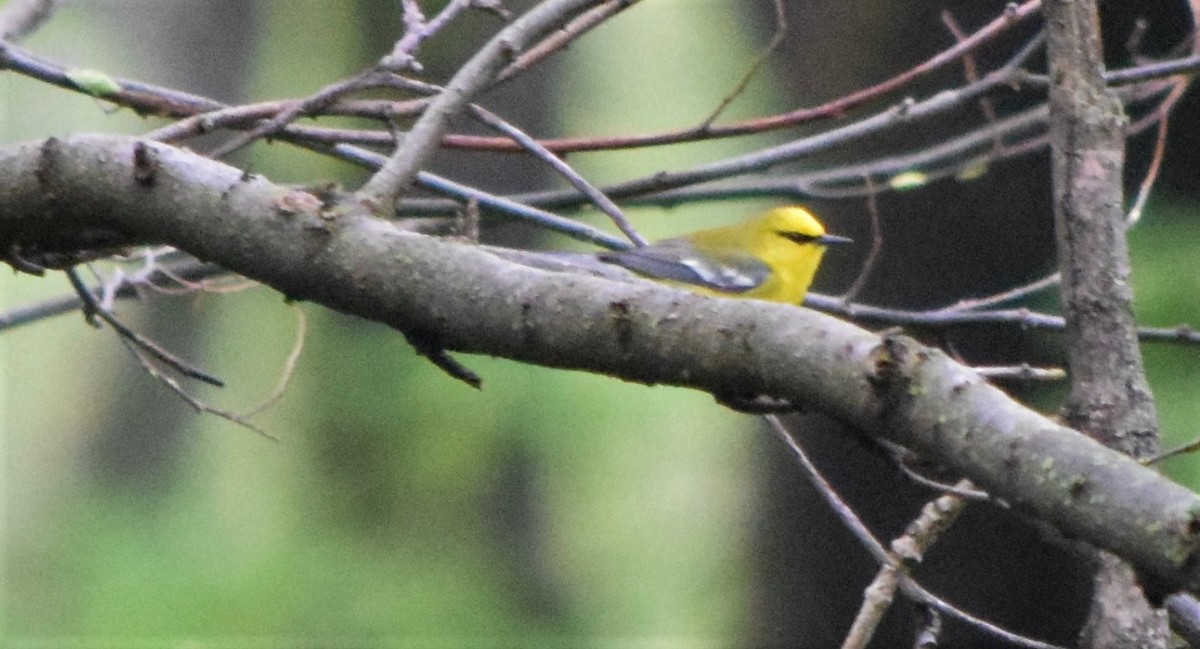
[797, 237]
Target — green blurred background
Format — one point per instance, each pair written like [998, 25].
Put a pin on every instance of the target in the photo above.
[400, 507]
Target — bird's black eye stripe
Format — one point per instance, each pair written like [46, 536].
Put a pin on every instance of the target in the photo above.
[796, 236]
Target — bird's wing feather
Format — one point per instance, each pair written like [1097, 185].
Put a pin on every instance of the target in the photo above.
[678, 261]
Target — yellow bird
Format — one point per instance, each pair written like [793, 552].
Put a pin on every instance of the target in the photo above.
[773, 257]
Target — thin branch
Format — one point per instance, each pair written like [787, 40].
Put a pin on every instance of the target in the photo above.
[1024, 318]
[841, 509]
[289, 365]
[1187, 66]
[318, 139]
[970, 69]
[149, 99]
[1022, 372]
[882, 556]
[435, 353]
[755, 66]
[940, 161]
[574, 229]
[418, 30]
[235, 117]
[914, 591]
[903, 114]
[126, 288]
[1184, 611]
[1010, 295]
[560, 39]
[93, 308]
[910, 548]
[836, 108]
[199, 405]
[868, 265]
[397, 175]
[558, 164]
[291, 110]
[1182, 449]
[1134, 213]
[929, 629]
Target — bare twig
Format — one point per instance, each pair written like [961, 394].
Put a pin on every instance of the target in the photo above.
[929, 629]
[1134, 213]
[1149, 71]
[289, 365]
[1184, 610]
[873, 252]
[1022, 372]
[1010, 295]
[234, 117]
[200, 406]
[914, 591]
[970, 70]
[1012, 16]
[840, 507]
[881, 555]
[294, 109]
[437, 354]
[575, 229]
[1182, 449]
[127, 287]
[910, 548]
[1025, 318]
[417, 30]
[559, 39]
[905, 113]
[92, 308]
[149, 99]
[395, 177]
[755, 66]
[558, 164]
[146, 98]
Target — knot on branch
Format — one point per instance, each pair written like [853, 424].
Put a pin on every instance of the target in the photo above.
[892, 363]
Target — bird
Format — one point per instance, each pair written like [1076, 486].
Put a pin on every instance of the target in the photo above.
[771, 257]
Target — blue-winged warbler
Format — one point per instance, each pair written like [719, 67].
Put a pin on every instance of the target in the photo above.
[770, 257]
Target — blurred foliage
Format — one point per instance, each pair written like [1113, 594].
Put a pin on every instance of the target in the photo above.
[1167, 293]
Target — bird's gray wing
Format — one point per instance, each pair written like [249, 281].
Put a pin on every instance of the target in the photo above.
[676, 261]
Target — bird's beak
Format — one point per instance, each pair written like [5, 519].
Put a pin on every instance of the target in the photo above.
[827, 239]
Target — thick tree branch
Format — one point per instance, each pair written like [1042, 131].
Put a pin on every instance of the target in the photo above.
[1109, 396]
[63, 193]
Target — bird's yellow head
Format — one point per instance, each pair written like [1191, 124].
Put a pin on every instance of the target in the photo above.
[795, 224]
[791, 241]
